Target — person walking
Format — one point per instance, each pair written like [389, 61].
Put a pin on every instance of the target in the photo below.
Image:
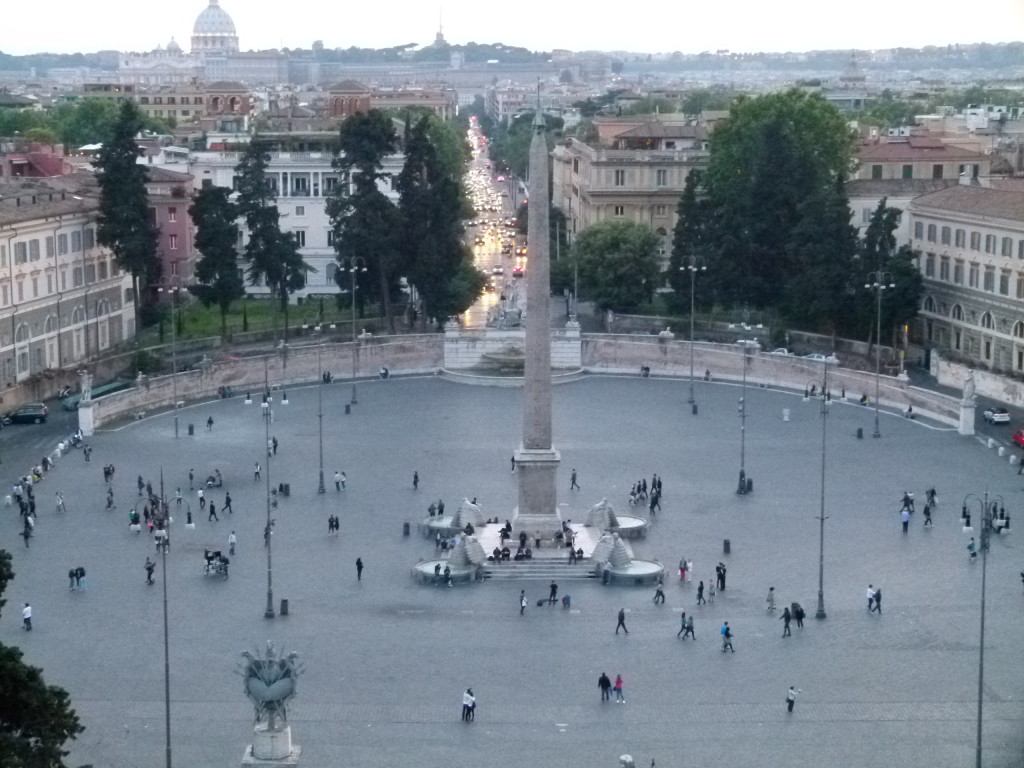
[359, 569]
[622, 622]
[605, 684]
[871, 598]
[522, 602]
[26, 617]
[878, 601]
[142, 484]
[80, 577]
[468, 700]
[771, 600]
[232, 540]
[929, 495]
[972, 549]
[202, 499]
[256, 474]
[71, 578]
[659, 595]
[689, 628]
[213, 513]
[149, 566]
[682, 569]
[513, 462]
[786, 617]
[905, 517]
[191, 478]
[273, 444]
[620, 698]
[721, 577]
[799, 615]
[927, 515]
[791, 698]
[552, 593]
[209, 424]
[727, 638]
[682, 625]
[227, 504]
[60, 502]
[573, 485]
[700, 593]
[177, 497]
[110, 498]
[337, 481]
[415, 481]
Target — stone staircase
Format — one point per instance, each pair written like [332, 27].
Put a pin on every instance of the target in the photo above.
[540, 569]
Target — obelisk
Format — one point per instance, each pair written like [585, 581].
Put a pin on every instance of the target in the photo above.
[537, 460]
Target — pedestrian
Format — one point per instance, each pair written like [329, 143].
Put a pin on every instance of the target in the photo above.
[227, 504]
[232, 540]
[771, 600]
[727, 638]
[177, 497]
[689, 628]
[513, 462]
[359, 569]
[273, 442]
[552, 593]
[213, 513]
[343, 481]
[929, 495]
[26, 617]
[711, 591]
[927, 514]
[605, 684]
[972, 549]
[191, 477]
[721, 577]
[256, 474]
[209, 424]
[87, 453]
[905, 517]
[337, 480]
[110, 498]
[26, 534]
[71, 578]
[573, 485]
[149, 566]
[468, 701]
[415, 481]
[682, 569]
[700, 594]
[659, 595]
[871, 598]
[878, 601]
[522, 602]
[682, 625]
[622, 622]
[141, 485]
[791, 698]
[619, 696]
[80, 577]
[786, 617]
[799, 615]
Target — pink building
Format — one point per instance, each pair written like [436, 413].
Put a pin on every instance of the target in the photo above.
[169, 200]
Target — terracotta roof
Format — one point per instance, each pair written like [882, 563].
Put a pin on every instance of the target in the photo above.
[659, 130]
[48, 202]
[977, 201]
[893, 151]
[164, 176]
[896, 187]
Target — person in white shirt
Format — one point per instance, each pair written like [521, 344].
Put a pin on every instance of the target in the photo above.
[26, 617]
[468, 705]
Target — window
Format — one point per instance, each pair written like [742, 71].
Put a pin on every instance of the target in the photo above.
[49, 284]
[1020, 250]
[620, 178]
[971, 170]
[990, 279]
[90, 238]
[185, 113]
[90, 273]
[20, 253]
[1018, 329]
[944, 269]
[76, 242]
[3, 255]
[865, 215]
[620, 210]
[946, 234]
[1007, 247]
[76, 277]
[5, 295]
[21, 291]
[937, 171]
[660, 210]
[975, 241]
[958, 313]
[300, 238]
[49, 247]
[972, 276]
[1004, 283]
[330, 238]
[931, 233]
[35, 287]
[876, 171]
[961, 238]
[661, 178]
[990, 243]
[1020, 286]
[300, 210]
[172, 242]
[908, 171]
[929, 265]
[929, 304]
[958, 272]
[330, 182]
[33, 250]
[986, 321]
[172, 215]
[918, 230]
[575, 165]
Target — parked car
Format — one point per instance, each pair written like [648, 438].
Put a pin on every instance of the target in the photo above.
[752, 343]
[996, 415]
[1018, 438]
[818, 356]
[30, 413]
[781, 351]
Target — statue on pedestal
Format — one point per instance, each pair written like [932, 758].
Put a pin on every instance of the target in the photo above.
[86, 387]
[270, 683]
[968, 398]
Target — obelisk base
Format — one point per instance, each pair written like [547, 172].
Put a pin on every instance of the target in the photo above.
[271, 747]
[537, 513]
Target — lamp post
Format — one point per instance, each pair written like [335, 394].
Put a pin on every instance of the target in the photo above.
[320, 404]
[693, 268]
[355, 264]
[742, 488]
[174, 353]
[879, 281]
[820, 613]
[163, 515]
[268, 538]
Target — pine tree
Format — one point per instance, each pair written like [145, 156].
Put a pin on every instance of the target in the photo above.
[216, 221]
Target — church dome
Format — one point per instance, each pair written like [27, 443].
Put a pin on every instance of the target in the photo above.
[214, 20]
[173, 47]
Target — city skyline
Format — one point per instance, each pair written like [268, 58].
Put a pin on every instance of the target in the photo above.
[905, 25]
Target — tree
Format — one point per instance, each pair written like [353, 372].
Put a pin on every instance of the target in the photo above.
[437, 261]
[366, 223]
[558, 228]
[618, 264]
[689, 239]
[36, 719]
[125, 225]
[216, 221]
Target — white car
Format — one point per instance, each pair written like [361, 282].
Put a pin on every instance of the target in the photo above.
[826, 358]
[996, 415]
[780, 351]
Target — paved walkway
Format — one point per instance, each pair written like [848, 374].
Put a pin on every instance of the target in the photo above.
[387, 659]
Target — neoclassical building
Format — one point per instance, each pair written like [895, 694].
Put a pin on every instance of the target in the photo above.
[214, 31]
[971, 240]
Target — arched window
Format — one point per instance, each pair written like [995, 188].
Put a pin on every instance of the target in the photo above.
[103, 308]
[929, 304]
[50, 325]
[986, 321]
[78, 316]
[958, 312]
[1018, 329]
[22, 333]
[661, 232]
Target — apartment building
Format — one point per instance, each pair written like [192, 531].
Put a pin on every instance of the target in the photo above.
[63, 300]
[971, 237]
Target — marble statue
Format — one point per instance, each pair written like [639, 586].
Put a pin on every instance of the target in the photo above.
[968, 398]
[270, 683]
[86, 387]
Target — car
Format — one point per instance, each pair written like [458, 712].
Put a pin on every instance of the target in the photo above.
[30, 413]
[518, 272]
[752, 343]
[780, 351]
[996, 416]
[1018, 438]
[499, 270]
[820, 357]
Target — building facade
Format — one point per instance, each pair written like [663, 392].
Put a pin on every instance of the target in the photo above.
[971, 240]
[63, 300]
[170, 195]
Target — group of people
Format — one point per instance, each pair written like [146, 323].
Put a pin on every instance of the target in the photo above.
[641, 492]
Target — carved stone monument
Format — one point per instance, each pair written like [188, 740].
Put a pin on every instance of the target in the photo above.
[537, 460]
[270, 683]
[967, 405]
[86, 417]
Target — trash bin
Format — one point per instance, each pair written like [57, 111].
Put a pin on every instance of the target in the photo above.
[860, 433]
[348, 408]
[750, 485]
[286, 489]
[191, 430]
[726, 546]
[284, 606]
[280, 488]
[694, 409]
[405, 528]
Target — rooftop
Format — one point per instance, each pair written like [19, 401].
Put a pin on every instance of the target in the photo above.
[977, 201]
[894, 187]
[916, 148]
[29, 200]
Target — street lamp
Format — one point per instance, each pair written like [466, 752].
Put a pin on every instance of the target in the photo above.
[355, 264]
[162, 515]
[174, 352]
[693, 269]
[820, 613]
[742, 488]
[879, 281]
[320, 404]
[267, 400]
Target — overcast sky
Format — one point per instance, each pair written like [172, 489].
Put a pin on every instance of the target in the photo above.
[689, 26]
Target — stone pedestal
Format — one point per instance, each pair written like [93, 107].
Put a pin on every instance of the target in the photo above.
[537, 513]
[966, 418]
[271, 747]
[86, 418]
